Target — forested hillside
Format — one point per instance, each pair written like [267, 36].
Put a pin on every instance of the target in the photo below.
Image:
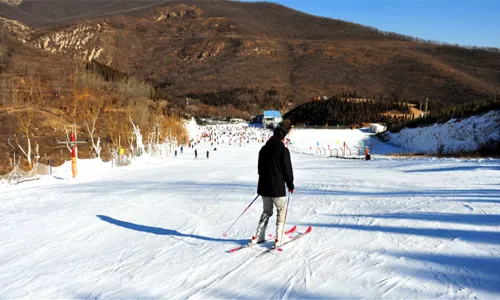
[239, 58]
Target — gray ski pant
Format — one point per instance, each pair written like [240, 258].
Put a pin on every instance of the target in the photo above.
[280, 203]
[269, 202]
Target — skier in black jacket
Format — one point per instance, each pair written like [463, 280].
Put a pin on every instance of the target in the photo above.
[275, 170]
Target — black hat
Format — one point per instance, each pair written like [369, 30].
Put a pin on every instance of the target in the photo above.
[280, 132]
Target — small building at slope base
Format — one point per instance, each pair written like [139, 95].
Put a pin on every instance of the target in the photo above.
[271, 118]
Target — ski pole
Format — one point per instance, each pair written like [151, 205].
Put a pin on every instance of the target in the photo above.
[286, 213]
[225, 233]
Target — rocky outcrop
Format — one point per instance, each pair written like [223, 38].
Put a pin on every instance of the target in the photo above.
[258, 48]
[12, 2]
[21, 31]
[81, 40]
[177, 11]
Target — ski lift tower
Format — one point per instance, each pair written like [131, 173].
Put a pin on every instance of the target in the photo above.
[74, 149]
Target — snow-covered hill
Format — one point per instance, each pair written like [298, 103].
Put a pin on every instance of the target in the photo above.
[339, 142]
[454, 136]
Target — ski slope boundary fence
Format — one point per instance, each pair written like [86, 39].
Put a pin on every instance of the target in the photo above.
[17, 175]
[356, 152]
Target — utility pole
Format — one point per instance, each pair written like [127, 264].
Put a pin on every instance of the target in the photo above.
[426, 102]
[74, 149]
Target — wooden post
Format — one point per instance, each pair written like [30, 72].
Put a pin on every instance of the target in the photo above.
[74, 151]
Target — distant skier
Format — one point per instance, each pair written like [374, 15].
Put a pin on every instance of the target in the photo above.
[195, 153]
[275, 170]
[182, 149]
[208, 154]
[175, 153]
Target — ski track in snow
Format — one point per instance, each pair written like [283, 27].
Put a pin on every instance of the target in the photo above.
[384, 228]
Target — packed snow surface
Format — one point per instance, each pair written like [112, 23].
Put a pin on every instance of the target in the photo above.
[421, 228]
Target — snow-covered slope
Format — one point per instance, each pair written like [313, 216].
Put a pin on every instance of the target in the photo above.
[192, 128]
[454, 136]
[393, 229]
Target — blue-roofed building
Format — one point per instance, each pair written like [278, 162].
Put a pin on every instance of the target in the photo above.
[271, 118]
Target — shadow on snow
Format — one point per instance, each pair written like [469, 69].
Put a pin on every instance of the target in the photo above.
[178, 187]
[261, 290]
[457, 168]
[118, 293]
[486, 193]
[476, 272]
[163, 231]
[487, 237]
[473, 219]
[195, 187]
[476, 201]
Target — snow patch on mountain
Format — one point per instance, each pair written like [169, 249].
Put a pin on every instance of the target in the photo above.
[456, 135]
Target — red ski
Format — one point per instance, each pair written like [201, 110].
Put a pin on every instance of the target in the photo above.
[296, 237]
[291, 230]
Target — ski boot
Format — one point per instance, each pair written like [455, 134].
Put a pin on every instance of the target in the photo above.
[278, 241]
[260, 235]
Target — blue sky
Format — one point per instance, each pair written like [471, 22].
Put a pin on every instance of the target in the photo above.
[475, 23]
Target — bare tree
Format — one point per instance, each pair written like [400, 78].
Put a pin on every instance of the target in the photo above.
[60, 80]
[155, 133]
[92, 109]
[25, 112]
[67, 138]
[114, 132]
[37, 153]
[137, 134]
[4, 88]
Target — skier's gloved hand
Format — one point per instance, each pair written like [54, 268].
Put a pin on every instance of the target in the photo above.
[290, 191]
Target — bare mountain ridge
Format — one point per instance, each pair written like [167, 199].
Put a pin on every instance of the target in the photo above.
[216, 47]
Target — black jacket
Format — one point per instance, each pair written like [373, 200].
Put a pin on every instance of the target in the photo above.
[275, 169]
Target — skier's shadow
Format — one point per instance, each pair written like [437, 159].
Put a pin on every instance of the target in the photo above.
[168, 232]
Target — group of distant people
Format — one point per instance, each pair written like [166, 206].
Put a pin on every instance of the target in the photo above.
[219, 134]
